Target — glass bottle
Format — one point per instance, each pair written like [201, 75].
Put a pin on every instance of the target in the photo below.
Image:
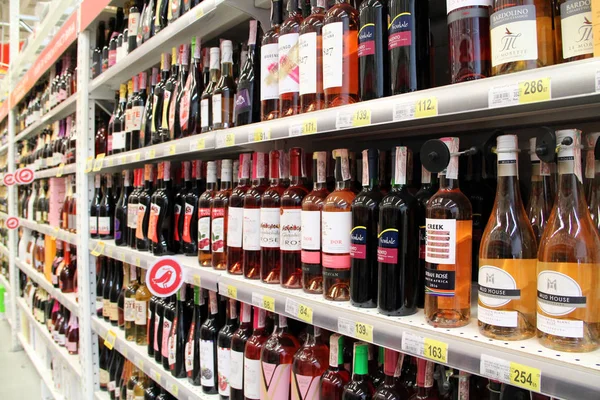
[397, 251]
[206, 108]
[133, 208]
[521, 35]
[310, 50]
[169, 95]
[425, 381]
[252, 355]
[247, 98]
[224, 92]
[121, 212]
[568, 257]
[208, 346]
[363, 235]
[360, 386]
[121, 299]
[340, 54]
[373, 54]
[129, 304]
[142, 297]
[448, 276]
[204, 216]
[146, 130]
[251, 216]
[115, 291]
[390, 388]
[336, 223]
[238, 344]
[72, 344]
[224, 349]
[106, 212]
[541, 197]
[289, 85]
[137, 111]
[310, 362]
[219, 215]
[116, 138]
[94, 208]
[573, 30]
[133, 84]
[161, 224]
[270, 267]
[178, 336]
[158, 98]
[192, 346]
[507, 265]
[107, 287]
[58, 259]
[144, 209]
[235, 220]
[189, 230]
[159, 319]
[429, 186]
[291, 222]
[68, 274]
[189, 110]
[175, 119]
[168, 320]
[269, 65]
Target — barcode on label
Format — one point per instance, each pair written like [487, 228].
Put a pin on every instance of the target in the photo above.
[494, 368]
[345, 326]
[597, 81]
[295, 130]
[404, 111]
[343, 120]
[502, 96]
[291, 307]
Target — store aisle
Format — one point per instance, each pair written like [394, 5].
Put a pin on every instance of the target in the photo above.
[18, 378]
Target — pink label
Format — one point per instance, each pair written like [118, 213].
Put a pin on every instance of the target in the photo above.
[305, 387]
[387, 255]
[336, 261]
[156, 325]
[367, 48]
[165, 338]
[358, 251]
[275, 382]
[400, 39]
[311, 257]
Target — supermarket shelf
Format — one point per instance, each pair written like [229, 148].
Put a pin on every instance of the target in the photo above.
[59, 234]
[56, 172]
[68, 300]
[3, 215]
[71, 360]
[100, 395]
[180, 388]
[4, 282]
[4, 147]
[45, 373]
[207, 20]
[192, 272]
[3, 250]
[61, 111]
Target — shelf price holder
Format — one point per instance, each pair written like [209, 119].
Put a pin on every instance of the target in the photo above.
[511, 372]
[422, 108]
[307, 127]
[199, 144]
[420, 346]
[150, 154]
[225, 139]
[231, 292]
[259, 134]
[299, 310]
[98, 250]
[89, 164]
[60, 170]
[348, 119]
[264, 302]
[110, 339]
[98, 162]
[522, 92]
[359, 330]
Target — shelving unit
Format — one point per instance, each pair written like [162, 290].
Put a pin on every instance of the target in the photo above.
[57, 172]
[46, 229]
[61, 111]
[44, 372]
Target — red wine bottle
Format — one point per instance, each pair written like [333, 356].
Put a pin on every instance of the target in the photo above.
[247, 98]
[373, 54]
[143, 213]
[189, 231]
[161, 227]
[177, 337]
[208, 347]
[106, 211]
[192, 347]
[120, 224]
[360, 386]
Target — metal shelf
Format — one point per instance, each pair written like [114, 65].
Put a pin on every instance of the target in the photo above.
[3, 250]
[71, 360]
[45, 373]
[137, 354]
[4, 147]
[59, 234]
[61, 111]
[68, 300]
[57, 172]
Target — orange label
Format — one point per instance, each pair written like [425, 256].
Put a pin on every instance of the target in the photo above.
[153, 223]
[139, 231]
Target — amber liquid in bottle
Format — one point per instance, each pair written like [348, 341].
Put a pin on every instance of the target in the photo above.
[507, 257]
[142, 298]
[219, 214]
[269, 65]
[592, 173]
[236, 217]
[310, 62]
[224, 93]
[573, 30]
[204, 216]
[541, 197]
[448, 250]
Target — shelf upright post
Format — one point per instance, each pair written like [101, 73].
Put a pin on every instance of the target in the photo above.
[87, 276]
[12, 193]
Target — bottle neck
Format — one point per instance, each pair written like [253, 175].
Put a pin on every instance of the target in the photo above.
[448, 183]
[214, 75]
[226, 69]
[343, 185]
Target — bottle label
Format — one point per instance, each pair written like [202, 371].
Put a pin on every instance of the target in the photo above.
[291, 237]
[204, 113]
[172, 108]
[439, 282]
[133, 20]
[307, 44]
[132, 215]
[156, 327]
[172, 350]
[104, 225]
[289, 74]
[140, 312]
[118, 140]
[128, 123]
[441, 241]
[243, 102]
[497, 317]
[269, 227]
[311, 237]
[113, 311]
[104, 377]
[136, 117]
[166, 100]
[560, 327]
[208, 363]
[576, 26]
[336, 226]
[216, 109]
[184, 106]
[452, 5]
[387, 251]
[513, 35]
[129, 309]
[176, 215]
[223, 361]
[559, 294]
[252, 379]
[366, 40]
[93, 224]
[358, 237]
[333, 52]
[105, 308]
[141, 212]
[153, 222]
[400, 31]
[305, 387]
[204, 229]
[187, 221]
[189, 351]
[251, 229]
[236, 372]
[218, 230]
[275, 382]
[235, 220]
[164, 346]
[269, 72]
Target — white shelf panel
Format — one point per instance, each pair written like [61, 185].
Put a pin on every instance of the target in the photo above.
[4, 147]
[59, 234]
[45, 373]
[68, 300]
[61, 111]
[5, 283]
[180, 388]
[71, 360]
[68, 169]
[100, 395]
[3, 215]
[4, 250]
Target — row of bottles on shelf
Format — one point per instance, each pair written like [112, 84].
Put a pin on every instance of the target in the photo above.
[61, 323]
[48, 93]
[241, 352]
[339, 55]
[358, 247]
[53, 146]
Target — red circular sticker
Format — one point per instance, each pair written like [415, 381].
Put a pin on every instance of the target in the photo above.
[9, 179]
[25, 175]
[12, 223]
[165, 277]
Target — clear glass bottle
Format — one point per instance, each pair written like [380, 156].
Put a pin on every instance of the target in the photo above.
[224, 92]
[310, 43]
[541, 197]
[269, 65]
[219, 215]
[204, 216]
[289, 82]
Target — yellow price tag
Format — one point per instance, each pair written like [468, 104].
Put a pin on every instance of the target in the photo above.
[98, 162]
[261, 134]
[110, 161]
[309, 126]
[201, 144]
[197, 280]
[137, 157]
[436, 350]
[111, 337]
[426, 107]
[526, 377]
[123, 160]
[305, 313]
[141, 364]
[99, 249]
[231, 291]
[157, 376]
[363, 331]
[137, 262]
[174, 389]
[125, 352]
[534, 90]
[150, 154]
[172, 150]
[361, 118]
[200, 13]
[88, 164]
[269, 303]
[60, 170]
[230, 139]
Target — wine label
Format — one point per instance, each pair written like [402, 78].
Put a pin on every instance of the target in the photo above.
[275, 382]
[290, 234]
[216, 109]
[452, 5]
[204, 113]
[576, 26]
[441, 241]
[439, 282]
[172, 108]
[252, 379]
[104, 225]
[218, 230]
[104, 377]
[513, 35]
[165, 110]
[141, 309]
[129, 309]
[251, 229]
[141, 212]
[113, 311]
[305, 387]
[172, 352]
[208, 363]
[336, 226]
[204, 229]
[366, 40]
[489, 316]
[153, 222]
[156, 328]
[105, 308]
[311, 237]
[133, 21]
[307, 44]
[558, 293]
[358, 246]
[184, 106]
[189, 351]
[93, 223]
[187, 222]
[560, 327]
[223, 369]
[387, 251]
[269, 227]
[136, 117]
[333, 52]
[400, 30]
[235, 220]
[236, 370]
[269, 72]
[128, 121]
[289, 75]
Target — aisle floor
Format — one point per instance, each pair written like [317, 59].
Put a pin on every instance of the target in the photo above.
[18, 378]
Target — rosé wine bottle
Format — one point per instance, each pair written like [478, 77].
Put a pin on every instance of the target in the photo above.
[235, 219]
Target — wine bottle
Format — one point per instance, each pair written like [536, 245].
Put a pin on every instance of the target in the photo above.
[115, 290]
[206, 106]
[360, 386]
[161, 226]
[137, 112]
[68, 274]
[573, 35]
[133, 84]
[507, 265]
[144, 208]
[336, 377]
[106, 212]
[219, 216]
[204, 216]
[251, 216]
[310, 64]
[192, 346]
[238, 344]
[133, 21]
[133, 207]
[425, 381]
[541, 197]
[363, 235]
[429, 186]
[269, 65]
[159, 319]
[142, 296]
[289, 97]
[146, 130]
[158, 97]
[169, 95]
[107, 288]
[175, 122]
[189, 108]
[390, 388]
[310, 362]
[177, 337]
[72, 344]
[168, 319]
[247, 98]
[252, 355]
[94, 208]
[235, 217]
[189, 230]
[224, 92]
[130, 306]
[121, 212]
[373, 54]
[208, 347]
[224, 349]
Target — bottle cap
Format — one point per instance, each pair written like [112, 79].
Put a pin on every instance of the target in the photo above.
[390, 361]
[260, 165]
[226, 170]
[227, 51]
[215, 55]
[320, 169]
[245, 163]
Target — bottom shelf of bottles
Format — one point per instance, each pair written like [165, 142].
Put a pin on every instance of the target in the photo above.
[44, 372]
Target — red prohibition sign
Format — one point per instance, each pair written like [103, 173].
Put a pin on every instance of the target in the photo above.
[9, 179]
[164, 277]
[12, 223]
[25, 175]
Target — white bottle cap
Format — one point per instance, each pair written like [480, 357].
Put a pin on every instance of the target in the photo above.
[227, 50]
[215, 55]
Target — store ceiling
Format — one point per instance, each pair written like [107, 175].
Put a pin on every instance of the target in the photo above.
[29, 9]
